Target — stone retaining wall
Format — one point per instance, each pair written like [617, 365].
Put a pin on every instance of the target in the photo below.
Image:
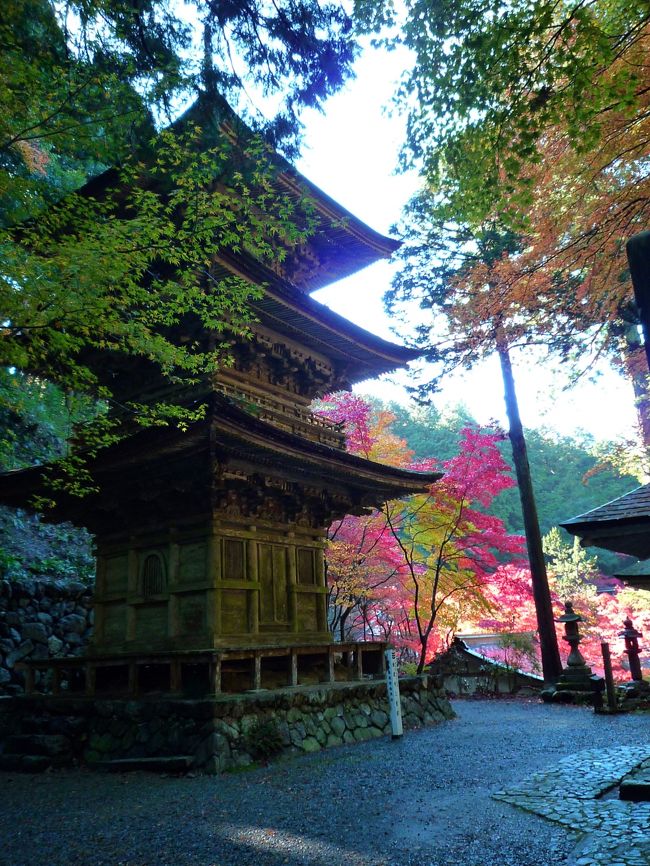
[41, 620]
[213, 734]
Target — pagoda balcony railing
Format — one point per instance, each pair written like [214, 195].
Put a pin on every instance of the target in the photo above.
[288, 417]
[213, 671]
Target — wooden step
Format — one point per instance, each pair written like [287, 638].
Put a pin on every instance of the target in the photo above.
[155, 764]
[636, 785]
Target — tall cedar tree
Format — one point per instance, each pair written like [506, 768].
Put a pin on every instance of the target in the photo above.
[440, 259]
[551, 140]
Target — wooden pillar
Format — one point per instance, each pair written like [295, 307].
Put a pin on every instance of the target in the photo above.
[214, 673]
[173, 627]
[91, 678]
[330, 665]
[257, 671]
[131, 611]
[358, 663]
[293, 669]
[98, 607]
[292, 580]
[253, 595]
[213, 594]
[175, 676]
[321, 598]
[133, 678]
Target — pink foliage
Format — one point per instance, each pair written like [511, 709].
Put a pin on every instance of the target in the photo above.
[355, 415]
[402, 573]
[510, 590]
[478, 472]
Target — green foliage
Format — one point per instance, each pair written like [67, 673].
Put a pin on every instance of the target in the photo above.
[569, 565]
[408, 669]
[561, 468]
[264, 739]
[489, 78]
[31, 548]
[121, 264]
[37, 419]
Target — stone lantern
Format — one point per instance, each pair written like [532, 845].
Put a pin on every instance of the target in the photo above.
[631, 637]
[576, 676]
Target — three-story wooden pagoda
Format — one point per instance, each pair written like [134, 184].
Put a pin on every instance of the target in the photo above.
[211, 539]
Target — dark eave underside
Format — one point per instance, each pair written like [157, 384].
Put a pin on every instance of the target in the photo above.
[232, 434]
[304, 319]
[622, 525]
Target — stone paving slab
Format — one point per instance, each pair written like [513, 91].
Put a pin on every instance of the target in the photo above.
[575, 794]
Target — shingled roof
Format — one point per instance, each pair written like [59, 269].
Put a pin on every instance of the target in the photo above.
[622, 525]
[126, 474]
[341, 242]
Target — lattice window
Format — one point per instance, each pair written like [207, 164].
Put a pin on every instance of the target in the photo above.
[153, 575]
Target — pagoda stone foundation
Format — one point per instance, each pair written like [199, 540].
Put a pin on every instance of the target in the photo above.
[207, 734]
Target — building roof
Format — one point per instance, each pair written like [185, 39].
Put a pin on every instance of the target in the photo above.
[340, 242]
[636, 575]
[127, 473]
[622, 525]
[298, 316]
[341, 245]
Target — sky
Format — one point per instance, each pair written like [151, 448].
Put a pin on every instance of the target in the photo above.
[351, 152]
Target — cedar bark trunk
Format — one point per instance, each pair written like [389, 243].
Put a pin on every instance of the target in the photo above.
[551, 664]
[636, 371]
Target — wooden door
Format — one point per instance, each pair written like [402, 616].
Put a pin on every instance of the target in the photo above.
[274, 607]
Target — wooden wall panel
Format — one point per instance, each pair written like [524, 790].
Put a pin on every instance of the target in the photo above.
[192, 563]
[192, 613]
[234, 612]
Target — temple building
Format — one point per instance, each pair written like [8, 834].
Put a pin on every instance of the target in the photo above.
[622, 526]
[210, 540]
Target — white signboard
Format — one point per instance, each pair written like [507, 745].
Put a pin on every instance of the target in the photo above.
[392, 688]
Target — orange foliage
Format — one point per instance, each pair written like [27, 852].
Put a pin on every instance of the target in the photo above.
[34, 158]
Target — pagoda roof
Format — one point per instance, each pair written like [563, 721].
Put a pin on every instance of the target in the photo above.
[344, 244]
[228, 434]
[622, 525]
[291, 312]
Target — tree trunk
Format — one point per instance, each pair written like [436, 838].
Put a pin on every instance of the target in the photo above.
[423, 656]
[551, 665]
[636, 371]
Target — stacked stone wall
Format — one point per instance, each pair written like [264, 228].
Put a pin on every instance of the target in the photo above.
[40, 620]
[213, 734]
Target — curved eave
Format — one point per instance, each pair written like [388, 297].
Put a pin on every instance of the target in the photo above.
[345, 244]
[631, 536]
[230, 432]
[332, 334]
[262, 437]
[300, 317]
[621, 525]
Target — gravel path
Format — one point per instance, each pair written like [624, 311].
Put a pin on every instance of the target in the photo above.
[425, 800]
